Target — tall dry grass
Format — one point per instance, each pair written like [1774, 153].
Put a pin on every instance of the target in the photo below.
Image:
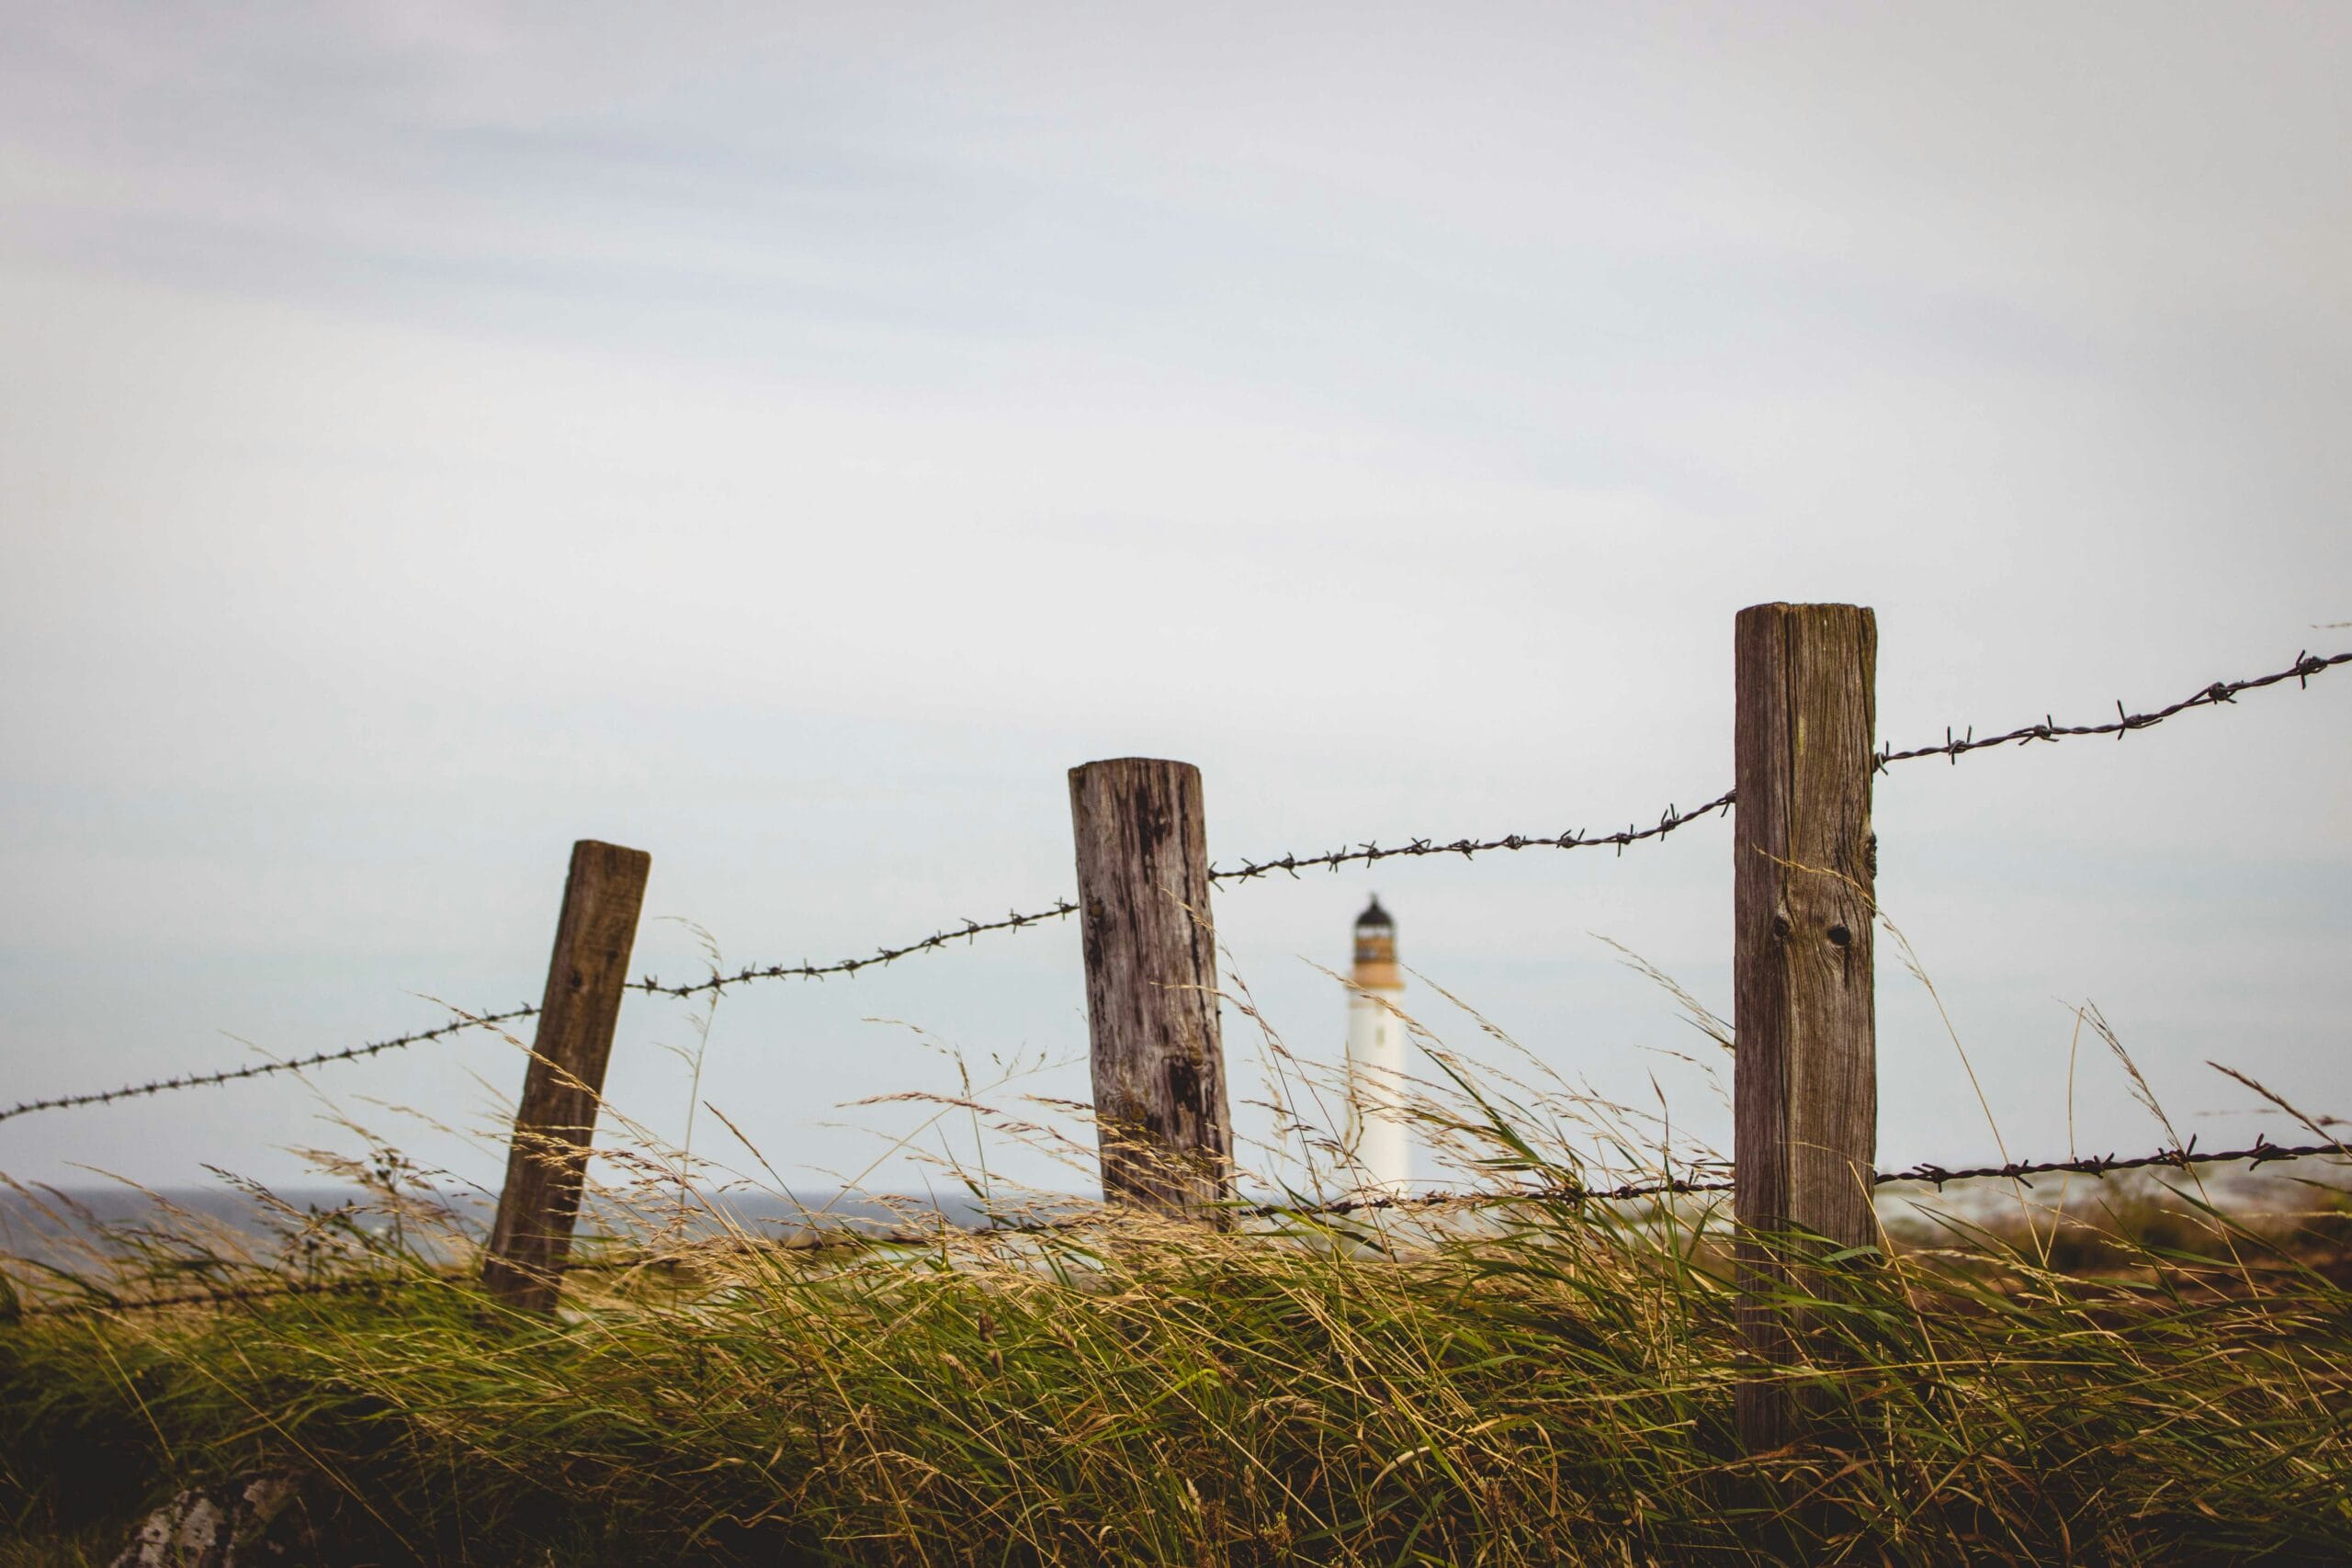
[2158, 1372]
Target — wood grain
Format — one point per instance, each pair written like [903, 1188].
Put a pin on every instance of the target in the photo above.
[555, 1121]
[1805, 1084]
[1163, 1122]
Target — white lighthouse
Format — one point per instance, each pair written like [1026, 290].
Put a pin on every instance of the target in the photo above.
[1379, 1136]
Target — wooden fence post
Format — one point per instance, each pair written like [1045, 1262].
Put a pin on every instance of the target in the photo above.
[554, 1124]
[1805, 1084]
[1162, 1117]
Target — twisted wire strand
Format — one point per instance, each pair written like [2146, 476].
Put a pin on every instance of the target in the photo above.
[1572, 840]
[2304, 667]
[2262, 1153]
[806, 971]
[2100, 1165]
[263, 1069]
[277, 1289]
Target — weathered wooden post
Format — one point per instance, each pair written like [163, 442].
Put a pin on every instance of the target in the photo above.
[1805, 1084]
[1161, 1119]
[556, 1119]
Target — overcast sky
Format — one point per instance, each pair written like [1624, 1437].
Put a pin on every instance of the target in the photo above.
[784, 438]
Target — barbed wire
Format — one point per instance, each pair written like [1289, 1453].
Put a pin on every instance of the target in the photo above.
[101, 1301]
[263, 1069]
[806, 971]
[1342, 1207]
[1572, 840]
[844, 1237]
[651, 984]
[2262, 1153]
[233, 1295]
[2306, 665]
[1063, 908]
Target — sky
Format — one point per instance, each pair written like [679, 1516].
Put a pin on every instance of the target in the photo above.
[786, 438]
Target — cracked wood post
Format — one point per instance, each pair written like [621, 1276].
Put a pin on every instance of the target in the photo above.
[1162, 1117]
[1805, 1083]
[556, 1120]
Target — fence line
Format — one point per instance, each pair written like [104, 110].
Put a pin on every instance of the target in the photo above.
[263, 1069]
[2098, 1165]
[279, 1290]
[2262, 1153]
[806, 971]
[1805, 1092]
[1571, 839]
[2304, 667]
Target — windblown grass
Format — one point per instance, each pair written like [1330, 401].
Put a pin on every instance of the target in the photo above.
[1533, 1382]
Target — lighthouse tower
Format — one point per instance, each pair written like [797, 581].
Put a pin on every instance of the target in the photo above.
[1379, 1138]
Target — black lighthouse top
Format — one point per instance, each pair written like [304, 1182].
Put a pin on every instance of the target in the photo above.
[1376, 947]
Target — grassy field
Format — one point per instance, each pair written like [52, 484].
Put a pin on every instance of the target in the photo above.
[2156, 1368]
